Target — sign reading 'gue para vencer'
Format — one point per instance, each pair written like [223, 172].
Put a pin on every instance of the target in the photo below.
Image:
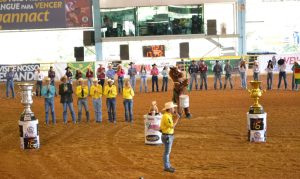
[43, 14]
[24, 72]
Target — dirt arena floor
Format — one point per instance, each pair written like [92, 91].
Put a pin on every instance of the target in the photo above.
[213, 144]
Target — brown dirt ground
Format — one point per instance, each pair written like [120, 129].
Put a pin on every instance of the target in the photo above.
[213, 144]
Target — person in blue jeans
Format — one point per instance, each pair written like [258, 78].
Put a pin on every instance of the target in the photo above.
[128, 94]
[165, 75]
[167, 126]
[65, 92]
[294, 84]
[82, 92]
[48, 91]
[193, 71]
[218, 74]
[10, 83]
[132, 72]
[110, 91]
[143, 77]
[282, 73]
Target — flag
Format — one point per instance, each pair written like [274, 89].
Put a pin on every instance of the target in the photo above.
[297, 74]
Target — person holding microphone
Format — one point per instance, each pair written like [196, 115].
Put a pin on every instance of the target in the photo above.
[167, 126]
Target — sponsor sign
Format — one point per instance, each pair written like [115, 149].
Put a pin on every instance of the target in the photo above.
[152, 126]
[23, 72]
[83, 66]
[42, 14]
[289, 61]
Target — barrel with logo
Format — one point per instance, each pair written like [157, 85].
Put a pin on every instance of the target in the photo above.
[29, 134]
[152, 127]
[257, 127]
[184, 101]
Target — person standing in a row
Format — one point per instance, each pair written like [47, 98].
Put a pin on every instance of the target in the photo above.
[282, 73]
[132, 72]
[120, 74]
[128, 95]
[203, 74]
[165, 74]
[69, 74]
[228, 70]
[193, 71]
[294, 84]
[218, 74]
[269, 70]
[110, 91]
[101, 75]
[143, 76]
[78, 74]
[82, 92]
[51, 75]
[48, 91]
[10, 82]
[256, 71]
[90, 76]
[65, 92]
[39, 82]
[96, 93]
[243, 69]
[110, 73]
[154, 72]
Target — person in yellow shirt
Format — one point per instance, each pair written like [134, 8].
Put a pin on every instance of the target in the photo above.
[167, 126]
[96, 93]
[128, 94]
[82, 92]
[110, 91]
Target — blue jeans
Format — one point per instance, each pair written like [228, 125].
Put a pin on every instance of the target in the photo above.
[90, 82]
[10, 86]
[132, 82]
[154, 81]
[38, 89]
[83, 102]
[49, 103]
[143, 83]
[97, 103]
[282, 74]
[167, 141]
[203, 77]
[243, 80]
[65, 114]
[269, 80]
[165, 84]
[294, 85]
[218, 77]
[192, 79]
[228, 77]
[111, 109]
[128, 106]
[120, 84]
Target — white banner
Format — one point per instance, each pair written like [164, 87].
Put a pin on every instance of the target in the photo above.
[289, 60]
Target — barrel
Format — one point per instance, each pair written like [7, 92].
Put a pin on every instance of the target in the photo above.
[152, 127]
[184, 101]
[29, 134]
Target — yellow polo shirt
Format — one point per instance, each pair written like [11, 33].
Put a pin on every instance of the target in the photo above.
[166, 123]
[79, 93]
[96, 91]
[112, 93]
[128, 93]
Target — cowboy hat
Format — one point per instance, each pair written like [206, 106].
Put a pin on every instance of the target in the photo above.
[169, 105]
[95, 79]
[131, 63]
[47, 78]
[110, 80]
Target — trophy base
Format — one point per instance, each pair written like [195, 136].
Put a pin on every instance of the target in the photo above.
[256, 110]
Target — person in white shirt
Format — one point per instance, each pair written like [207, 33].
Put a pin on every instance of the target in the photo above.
[282, 73]
[39, 81]
[269, 71]
[255, 71]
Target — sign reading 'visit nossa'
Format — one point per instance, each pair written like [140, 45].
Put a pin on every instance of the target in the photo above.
[24, 72]
[43, 14]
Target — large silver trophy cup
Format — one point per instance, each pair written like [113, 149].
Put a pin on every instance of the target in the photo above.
[28, 124]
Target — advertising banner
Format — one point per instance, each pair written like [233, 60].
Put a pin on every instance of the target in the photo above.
[43, 14]
[289, 61]
[23, 72]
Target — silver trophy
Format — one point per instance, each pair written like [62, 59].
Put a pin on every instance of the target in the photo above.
[28, 124]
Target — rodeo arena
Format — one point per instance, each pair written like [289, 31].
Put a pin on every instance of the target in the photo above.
[149, 89]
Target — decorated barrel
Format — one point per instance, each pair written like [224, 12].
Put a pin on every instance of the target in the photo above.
[257, 127]
[29, 134]
[184, 101]
[152, 127]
